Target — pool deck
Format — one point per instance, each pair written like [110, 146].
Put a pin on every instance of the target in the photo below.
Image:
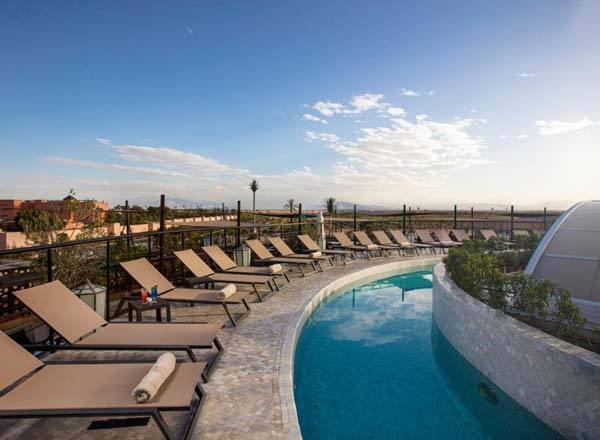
[249, 394]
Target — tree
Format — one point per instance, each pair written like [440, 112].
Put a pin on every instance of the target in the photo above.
[330, 206]
[290, 205]
[39, 226]
[254, 187]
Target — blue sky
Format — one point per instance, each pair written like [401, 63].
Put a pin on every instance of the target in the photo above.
[380, 102]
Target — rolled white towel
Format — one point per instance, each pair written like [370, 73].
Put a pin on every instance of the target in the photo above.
[316, 254]
[147, 389]
[372, 247]
[226, 292]
[275, 268]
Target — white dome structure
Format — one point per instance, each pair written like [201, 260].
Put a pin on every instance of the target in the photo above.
[569, 254]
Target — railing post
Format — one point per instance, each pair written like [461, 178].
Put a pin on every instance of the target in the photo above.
[223, 209]
[107, 299]
[512, 221]
[354, 225]
[127, 225]
[455, 218]
[49, 264]
[299, 219]
[182, 240]
[472, 224]
[404, 219]
[161, 238]
[238, 237]
[544, 230]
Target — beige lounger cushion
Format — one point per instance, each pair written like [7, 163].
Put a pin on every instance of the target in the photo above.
[308, 242]
[61, 309]
[226, 292]
[219, 257]
[99, 386]
[194, 263]
[16, 361]
[148, 387]
[150, 334]
[239, 278]
[281, 246]
[146, 275]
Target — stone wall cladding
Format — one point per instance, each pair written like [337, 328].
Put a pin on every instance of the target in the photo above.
[555, 380]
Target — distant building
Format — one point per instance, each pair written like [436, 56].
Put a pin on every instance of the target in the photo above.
[9, 208]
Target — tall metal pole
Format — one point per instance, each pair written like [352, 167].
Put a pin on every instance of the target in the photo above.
[455, 218]
[161, 237]
[299, 218]
[512, 221]
[472, 224]
[544, 230]
[107, 293]
[49, 265]
[238, 237]
[223, 209]
[354, 218]
[127, 225]
[404, 219]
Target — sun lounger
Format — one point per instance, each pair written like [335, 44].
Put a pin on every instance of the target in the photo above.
[146, 275]
[443, 237]
[266, 257]
[520, 233]
[226, 264]
[383, 239]
[460, 235]
[32, 389]
[425, 237]
[346, 243]
[285, 251]
[364, 240]
[80, 328]
[401, 239]
[310, 244]
[205, 275]
[488, 234]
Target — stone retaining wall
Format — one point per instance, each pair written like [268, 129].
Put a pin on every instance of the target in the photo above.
[557, 381]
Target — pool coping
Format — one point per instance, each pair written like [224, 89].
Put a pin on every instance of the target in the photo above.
[285, 371]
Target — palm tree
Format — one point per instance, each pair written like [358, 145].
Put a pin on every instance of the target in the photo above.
[290, 205]
[330, 206]
[254, 187]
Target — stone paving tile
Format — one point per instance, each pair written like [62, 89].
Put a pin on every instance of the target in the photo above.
[243, 399]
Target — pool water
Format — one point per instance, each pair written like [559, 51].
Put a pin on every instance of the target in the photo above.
[370, 363]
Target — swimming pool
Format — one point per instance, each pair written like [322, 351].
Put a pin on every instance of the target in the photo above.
[370, 363]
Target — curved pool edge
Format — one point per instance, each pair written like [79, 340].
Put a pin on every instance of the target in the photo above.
[556, 381]
[286, 353]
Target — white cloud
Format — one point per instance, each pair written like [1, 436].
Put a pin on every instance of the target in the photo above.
[101, 165]
[396, 111]
[171, 158]
[408, 92]
[326, 137]
[363, 103]
[421, 117]
[309, 117]
[549, 128]
[328, 108]
[189, 30]
[525, 74]
[431, 92]
[518, 137]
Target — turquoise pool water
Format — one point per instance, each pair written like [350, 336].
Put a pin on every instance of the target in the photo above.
[371, 364]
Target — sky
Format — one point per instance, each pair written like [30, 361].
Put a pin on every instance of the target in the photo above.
[382, 103]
